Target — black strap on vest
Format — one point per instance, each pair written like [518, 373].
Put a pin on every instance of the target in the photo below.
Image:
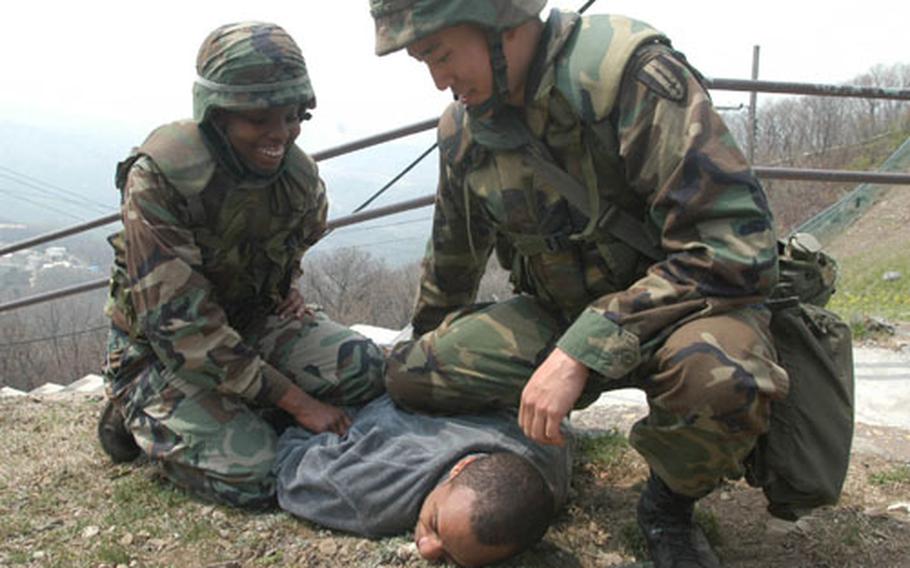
[618, 222]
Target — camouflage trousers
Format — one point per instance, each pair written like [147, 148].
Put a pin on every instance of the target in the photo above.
[709, 385]
[219, 446]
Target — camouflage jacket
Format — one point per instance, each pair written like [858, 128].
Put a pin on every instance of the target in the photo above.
[627, 117]
[203, 256]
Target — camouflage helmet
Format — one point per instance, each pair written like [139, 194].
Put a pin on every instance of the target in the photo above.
[250, 65]
[402, 22]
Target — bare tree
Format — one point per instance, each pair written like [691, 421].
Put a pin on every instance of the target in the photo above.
[825, 132]
[353, 287]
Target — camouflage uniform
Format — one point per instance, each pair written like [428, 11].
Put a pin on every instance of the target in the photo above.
[621, 112]
[196, 355]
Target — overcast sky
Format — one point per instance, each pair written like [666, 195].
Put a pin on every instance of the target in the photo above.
[131, 64]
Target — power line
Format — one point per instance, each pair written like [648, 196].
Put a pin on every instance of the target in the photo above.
[52, 337]
[400, 175]
[372, 244]
[353, 229]
[16, 195]
[31, 181]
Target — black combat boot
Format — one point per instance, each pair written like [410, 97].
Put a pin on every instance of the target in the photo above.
[667, 521]
[116, 440]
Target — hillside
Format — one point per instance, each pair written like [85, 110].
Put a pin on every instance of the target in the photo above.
[874, 276]
[885, 229]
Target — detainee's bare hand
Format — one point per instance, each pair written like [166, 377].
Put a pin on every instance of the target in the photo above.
[549, 396]
[293, 306]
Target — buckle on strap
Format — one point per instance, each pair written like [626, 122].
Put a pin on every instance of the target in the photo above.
[531, 244]
[557, 242]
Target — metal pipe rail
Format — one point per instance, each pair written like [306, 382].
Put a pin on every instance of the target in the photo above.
[59, 234]
[800, 174]
[427, 200]
[376, 139]
[417, 203]
[789, 88]
[718, 84]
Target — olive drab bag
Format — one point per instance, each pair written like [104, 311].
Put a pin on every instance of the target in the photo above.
[801, 462]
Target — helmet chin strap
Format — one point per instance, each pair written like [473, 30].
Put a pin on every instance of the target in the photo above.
[500, 94]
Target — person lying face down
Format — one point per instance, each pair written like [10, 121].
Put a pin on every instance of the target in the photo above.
[474, 488]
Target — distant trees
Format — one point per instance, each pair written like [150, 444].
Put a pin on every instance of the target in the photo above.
[58, 342]
[825, 132]
[792, 128]
[354, 287]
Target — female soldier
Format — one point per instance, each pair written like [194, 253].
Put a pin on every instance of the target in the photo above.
[209, 331]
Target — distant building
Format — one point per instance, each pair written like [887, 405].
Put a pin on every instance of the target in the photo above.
[29, 270]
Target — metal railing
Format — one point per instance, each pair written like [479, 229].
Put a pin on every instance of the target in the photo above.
[719, 84]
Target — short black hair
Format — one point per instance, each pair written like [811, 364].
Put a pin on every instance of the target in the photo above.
[513, 505]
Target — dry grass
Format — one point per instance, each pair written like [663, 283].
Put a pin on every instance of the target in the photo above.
[63, 504]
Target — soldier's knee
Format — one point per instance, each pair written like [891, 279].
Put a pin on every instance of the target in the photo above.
[402, 388]
[704, 381]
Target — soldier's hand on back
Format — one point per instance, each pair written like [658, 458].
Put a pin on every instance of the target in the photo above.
[312, 414]
[322, 417]
[549, 396]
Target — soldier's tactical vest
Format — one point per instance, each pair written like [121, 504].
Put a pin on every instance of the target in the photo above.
[572, 228]
[248, 233]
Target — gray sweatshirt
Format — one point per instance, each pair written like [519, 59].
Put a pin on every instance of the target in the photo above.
[373, 480]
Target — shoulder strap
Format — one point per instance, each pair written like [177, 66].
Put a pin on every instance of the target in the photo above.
[604, 215]
[594, 59]
[182, 156]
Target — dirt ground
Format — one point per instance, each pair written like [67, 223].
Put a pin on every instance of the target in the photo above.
[885, 226]
[63, 504]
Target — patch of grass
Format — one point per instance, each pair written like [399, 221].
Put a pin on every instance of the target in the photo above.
[112, 553]
[708, 522]
[199, 531]
[852, 536]
[632, 540]
[18, 557]
[274, 558]
[863, 292]
[602, 450]
[12, 526]
[137, 497]
[898, 474]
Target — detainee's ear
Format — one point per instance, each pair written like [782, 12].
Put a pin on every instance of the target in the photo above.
[459, 467]
[430, 547]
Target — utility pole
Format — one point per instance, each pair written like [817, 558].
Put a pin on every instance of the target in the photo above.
[753, 97]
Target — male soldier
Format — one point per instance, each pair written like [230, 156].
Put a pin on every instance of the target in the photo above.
[209, 331]
[473, 487]
[586, 152]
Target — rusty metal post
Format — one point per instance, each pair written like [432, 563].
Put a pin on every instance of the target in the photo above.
[753, 101]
